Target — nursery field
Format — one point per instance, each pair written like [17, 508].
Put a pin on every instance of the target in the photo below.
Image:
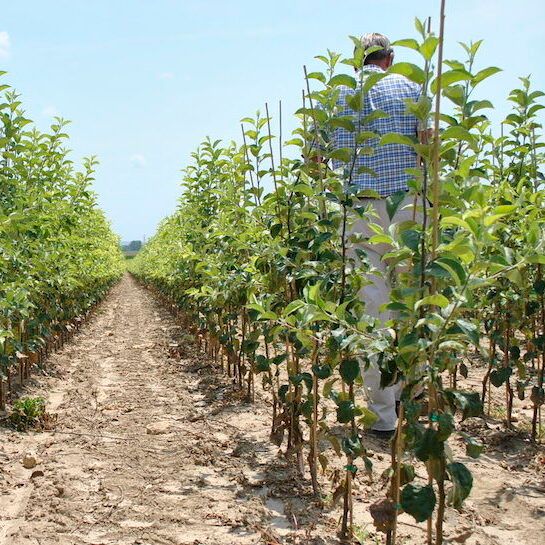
[152, 444]
[214, 393]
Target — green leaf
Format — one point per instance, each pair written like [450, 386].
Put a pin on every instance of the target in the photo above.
[411, 43]
[322, 371]
[430, 446]
[393, 202]
[485, 73]
[418, 501]
[365, 137]
[355, 101]
[449, 77]
[343, 79]
[477, 105]
[317, 75]
[327, 390]
[411, 238]
[419, 25]
[539, 286]
[410, 71]
[428, 47]
[455, 220]
[374, 116]
[457, 132]
[506, 209]
[311, 314]
[468, 402]
[275, 229]
[283, 392]
[372, 79]
[346, 410]
[455, 93]
[537, 259]
[344, 122]
[257, 307]
[262, 364]
[313, 113]
[349, 370]
[304, 189]
[396, 138]
[345, 155]
[445, 425]
[368, 418]
[470, 330]
[380, 239]
[408, 473]
[435, 300]
[302, 378]
[352, 446]
[500, 376]
[454, 268]
[515, 276]
[293, 307]
[462, 482]
[494, 218]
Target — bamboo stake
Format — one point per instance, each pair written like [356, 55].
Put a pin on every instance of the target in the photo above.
[436, 189]
[315, 140]
[273, 170]
[280, 153]
[256, 195]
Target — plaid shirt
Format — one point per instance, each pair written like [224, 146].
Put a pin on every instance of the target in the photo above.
[389, 161]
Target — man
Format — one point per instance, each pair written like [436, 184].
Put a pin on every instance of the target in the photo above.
[385, 171]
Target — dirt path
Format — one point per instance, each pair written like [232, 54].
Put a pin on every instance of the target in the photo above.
[138, 455]
[150, 449]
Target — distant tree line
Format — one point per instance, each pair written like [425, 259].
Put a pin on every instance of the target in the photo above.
[133, 246]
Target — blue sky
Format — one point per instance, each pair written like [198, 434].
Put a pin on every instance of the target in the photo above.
[145, 81]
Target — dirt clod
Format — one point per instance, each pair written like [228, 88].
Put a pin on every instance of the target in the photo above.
[158, 428]
[29, 460]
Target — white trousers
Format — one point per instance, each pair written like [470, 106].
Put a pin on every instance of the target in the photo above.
[382, 401]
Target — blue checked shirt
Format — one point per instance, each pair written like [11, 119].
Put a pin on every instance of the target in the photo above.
[390, 161]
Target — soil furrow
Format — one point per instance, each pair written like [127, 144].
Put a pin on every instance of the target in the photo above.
[126, 464]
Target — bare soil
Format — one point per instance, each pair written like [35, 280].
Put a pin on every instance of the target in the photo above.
[153, 449]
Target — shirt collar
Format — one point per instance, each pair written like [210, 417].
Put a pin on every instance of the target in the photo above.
[372, 68]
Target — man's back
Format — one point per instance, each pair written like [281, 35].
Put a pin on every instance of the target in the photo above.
[389, 161]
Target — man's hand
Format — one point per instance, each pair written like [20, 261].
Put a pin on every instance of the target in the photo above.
[425, 135]
[317, 159]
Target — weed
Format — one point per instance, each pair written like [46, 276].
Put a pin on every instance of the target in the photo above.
[27, 413]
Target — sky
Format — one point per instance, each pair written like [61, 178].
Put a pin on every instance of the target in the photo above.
[144, 81]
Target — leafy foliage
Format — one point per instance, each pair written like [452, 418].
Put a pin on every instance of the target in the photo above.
[58, 255]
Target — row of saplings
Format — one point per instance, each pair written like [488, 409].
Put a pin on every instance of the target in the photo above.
[58, 254]
[267, 282]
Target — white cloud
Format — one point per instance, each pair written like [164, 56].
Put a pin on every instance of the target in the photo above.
[5, 45]
[50, 111]
[138, 161]
[166, 75]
